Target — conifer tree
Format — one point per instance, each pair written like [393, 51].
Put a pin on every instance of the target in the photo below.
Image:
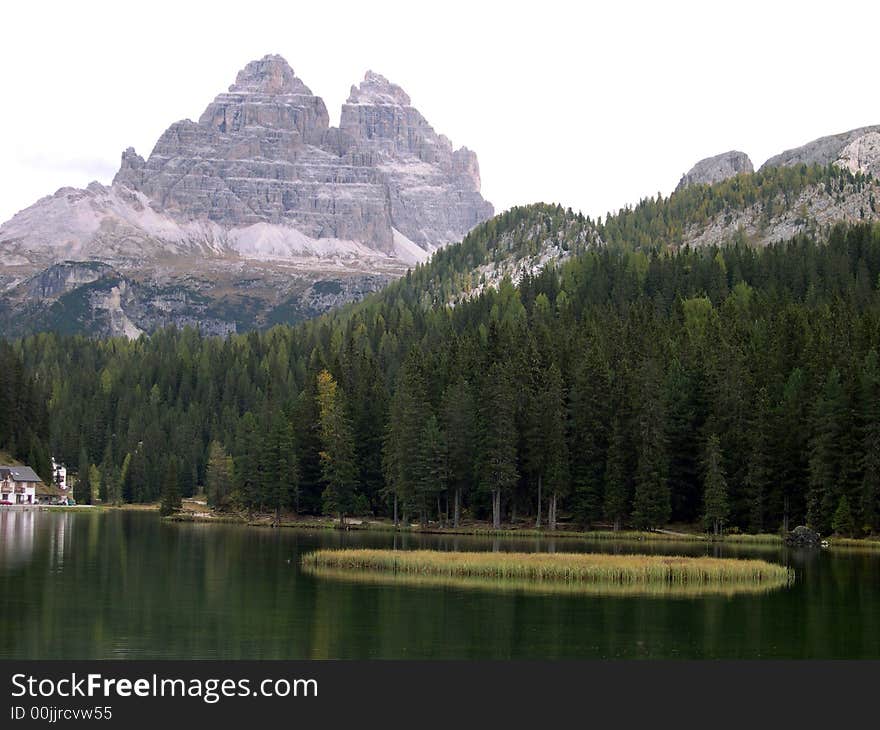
[843, 523]
[82, 490]
[617, 491]
[401, 450]
[715, 486]
[246, 464]
[432, 469]
[759, 475]
[498, 472]
[556, 463]
[826, 460]
[170, 500]
[458, 422]
[589, 434]
[218, 476]
[870, 430]
[651, 503]
[337, 457]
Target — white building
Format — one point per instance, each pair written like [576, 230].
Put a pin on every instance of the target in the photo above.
[18, 485]
[59, 475]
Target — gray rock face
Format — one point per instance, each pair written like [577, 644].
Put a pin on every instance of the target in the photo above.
[64, 277]
[258, 213]
[433, 190]
[862, 154]
[822, 151]
[265, 152]
[715, 169]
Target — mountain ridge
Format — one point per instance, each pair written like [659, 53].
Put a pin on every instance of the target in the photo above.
[261, 183]
[262, 212]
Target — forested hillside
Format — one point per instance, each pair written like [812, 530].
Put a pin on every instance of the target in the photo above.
[635, 384]
[755, 209]
[24, 424]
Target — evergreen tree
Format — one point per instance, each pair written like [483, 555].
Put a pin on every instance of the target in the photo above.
[170, 500]
[219, 476]
[715, 487]
[827, 453]
[617, 481]
[401, 450]
[497, 471]
[685, 417]
[870, 429]
[556, 462]
[278, 469]
[134, 487]
[459, 426]
[82, 489]
[843, 523]
[308, 447]
[589, 434]
[432, 469]
[651, 503]
[246, 463]
[759, 475]
[337, 456]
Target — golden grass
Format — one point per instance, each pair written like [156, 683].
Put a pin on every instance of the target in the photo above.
[519, 585]
[558, 569]
[759, 539]
[851, 543]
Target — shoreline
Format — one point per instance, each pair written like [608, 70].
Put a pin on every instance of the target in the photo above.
[512, 532]
[195, 511]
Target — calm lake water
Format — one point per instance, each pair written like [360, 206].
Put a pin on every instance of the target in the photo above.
[126, 585]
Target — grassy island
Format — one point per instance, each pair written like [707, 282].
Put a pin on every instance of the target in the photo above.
[564, 572]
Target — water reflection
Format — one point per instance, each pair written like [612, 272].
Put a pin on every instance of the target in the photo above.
[89, 585]
[19, 535]
[16, 537]
[541, 588]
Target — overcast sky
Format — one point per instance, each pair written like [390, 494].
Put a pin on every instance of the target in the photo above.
[590, 105]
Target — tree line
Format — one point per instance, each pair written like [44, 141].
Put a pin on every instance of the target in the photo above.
[734, 386]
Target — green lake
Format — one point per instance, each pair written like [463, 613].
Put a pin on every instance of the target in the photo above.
[117, 585]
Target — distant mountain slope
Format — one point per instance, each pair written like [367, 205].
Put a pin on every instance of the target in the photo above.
[825, 150]
[756, 208]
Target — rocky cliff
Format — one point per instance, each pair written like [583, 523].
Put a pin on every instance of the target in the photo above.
[822, 151]
[260, 177]
[715, 169]
[264, 152]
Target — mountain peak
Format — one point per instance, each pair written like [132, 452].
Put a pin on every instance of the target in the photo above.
[376, 89]
[269, 75]
[712, 170]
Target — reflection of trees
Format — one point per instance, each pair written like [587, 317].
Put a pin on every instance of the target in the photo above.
[123, 584]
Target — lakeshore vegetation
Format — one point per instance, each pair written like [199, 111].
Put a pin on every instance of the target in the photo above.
[636, 384]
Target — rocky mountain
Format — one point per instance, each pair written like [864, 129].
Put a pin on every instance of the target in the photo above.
[840, 148]
[706, 209]
[715, 169]
[251, 215]
[262, 213]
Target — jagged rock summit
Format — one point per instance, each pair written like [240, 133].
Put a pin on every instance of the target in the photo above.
[712, 170]
[264, 152]
[257, 193]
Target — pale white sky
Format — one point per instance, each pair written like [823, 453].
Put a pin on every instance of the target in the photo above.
[593, 105]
